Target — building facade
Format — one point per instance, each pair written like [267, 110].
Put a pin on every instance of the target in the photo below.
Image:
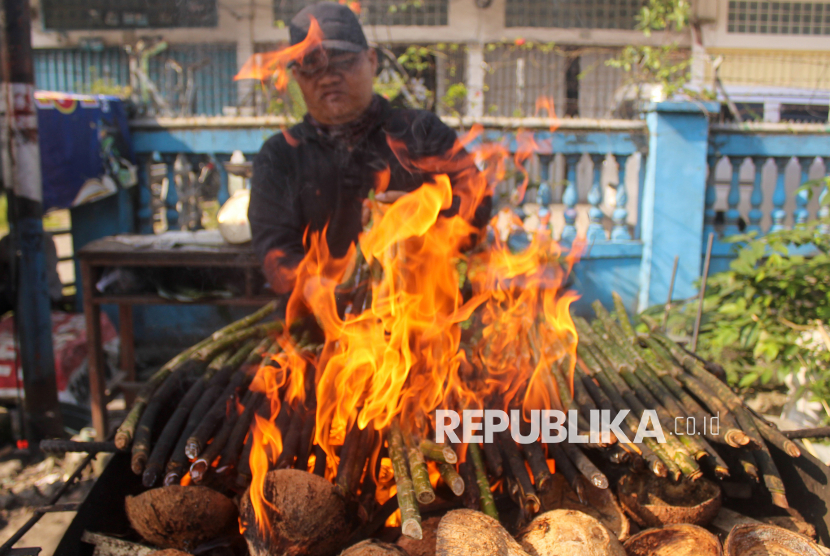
[773, 58]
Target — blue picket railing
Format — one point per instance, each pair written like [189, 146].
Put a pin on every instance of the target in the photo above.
[755, 176]
[640, 192]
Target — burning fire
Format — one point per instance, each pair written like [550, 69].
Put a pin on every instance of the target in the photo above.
[263, 66]
[399, 355]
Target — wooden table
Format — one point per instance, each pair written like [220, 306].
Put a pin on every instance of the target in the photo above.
[112, 253]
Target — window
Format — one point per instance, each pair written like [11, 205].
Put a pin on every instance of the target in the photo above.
[127, 14]
[379, 12]
[779, 18]
[581, 14]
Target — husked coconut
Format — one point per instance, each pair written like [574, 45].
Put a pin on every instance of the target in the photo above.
[168, 552]
[425, 546]
[598, 502]
[749, 539]
[304, 515]
[472, 533]
[569, 533]
[674, 540]
[373, 547]
[181, 517]
[654, 501]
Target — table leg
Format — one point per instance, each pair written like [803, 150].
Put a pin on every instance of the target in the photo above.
[97, 382]
[125, 330]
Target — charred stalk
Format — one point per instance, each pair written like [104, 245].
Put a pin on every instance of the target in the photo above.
[319, 461]
[291, 440]
[471, 493]
[511, 454]
[535, 457]
[775, 437]
[203, 461]
[585, 466]
[197, 441]
[170, 433]
[164, 398]
[494, 461]
[568, 470]
[236, 440]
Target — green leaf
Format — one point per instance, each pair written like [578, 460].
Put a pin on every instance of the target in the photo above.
[748, 380]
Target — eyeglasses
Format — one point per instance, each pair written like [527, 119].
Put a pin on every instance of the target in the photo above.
[318, 62]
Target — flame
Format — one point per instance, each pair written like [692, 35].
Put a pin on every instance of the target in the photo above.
[547, 104]
[399, 354]
[267, 442]
[274, 64]
[528, 333]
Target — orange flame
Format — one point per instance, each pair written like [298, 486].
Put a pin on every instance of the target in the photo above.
[399, 355]
[274, 64]
[547, 104]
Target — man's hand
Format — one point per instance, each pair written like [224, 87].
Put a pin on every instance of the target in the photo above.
[387, 198]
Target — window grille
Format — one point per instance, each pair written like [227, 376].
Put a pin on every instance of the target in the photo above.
[580, 14]
[379, 12]
[75, 70]
[67, 15]
[516, 78]
[779, 18]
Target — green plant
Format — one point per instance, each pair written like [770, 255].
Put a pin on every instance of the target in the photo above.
[766, 316]
[666, 65]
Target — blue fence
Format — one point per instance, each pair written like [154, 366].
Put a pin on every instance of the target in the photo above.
[640, 192]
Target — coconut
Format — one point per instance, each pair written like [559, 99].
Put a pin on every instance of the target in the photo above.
[654, 501]
[425, 546]
[598, 502]
[168, 552]
[304, 515]
[374, 547]
[181, 517]
[674, 540]
[569, 533]
[767, 540]
[472, 533]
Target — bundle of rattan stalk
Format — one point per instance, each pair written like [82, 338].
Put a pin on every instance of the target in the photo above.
[624, 370]
[186, 416]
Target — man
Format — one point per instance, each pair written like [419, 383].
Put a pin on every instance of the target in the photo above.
[319, 172]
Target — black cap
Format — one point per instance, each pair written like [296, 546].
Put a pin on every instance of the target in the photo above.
[340, 27]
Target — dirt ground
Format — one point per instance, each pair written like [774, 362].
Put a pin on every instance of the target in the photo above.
[46, 534]
[27, 483]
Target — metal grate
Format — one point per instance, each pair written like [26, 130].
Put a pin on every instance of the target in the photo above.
[598, 84]
[584, 14]
[781, 18]
[127, 14]
[75, 70]
[451, 71]
[379, 12]
[516, 78]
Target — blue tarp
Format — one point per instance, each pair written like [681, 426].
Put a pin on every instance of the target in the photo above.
[85, 148]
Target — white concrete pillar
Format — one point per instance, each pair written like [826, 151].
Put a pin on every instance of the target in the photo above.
[475, 80]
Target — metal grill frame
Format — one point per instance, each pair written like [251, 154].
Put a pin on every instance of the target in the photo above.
[576, 14]
[380, 12]
[778, 18]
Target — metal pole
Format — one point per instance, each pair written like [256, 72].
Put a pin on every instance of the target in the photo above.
[21, 176]
[671, 292]
[702, 291]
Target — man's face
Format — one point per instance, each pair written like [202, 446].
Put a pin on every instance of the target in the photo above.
[337, 86]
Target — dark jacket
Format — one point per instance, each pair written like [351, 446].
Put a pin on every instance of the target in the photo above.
[304, 180]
